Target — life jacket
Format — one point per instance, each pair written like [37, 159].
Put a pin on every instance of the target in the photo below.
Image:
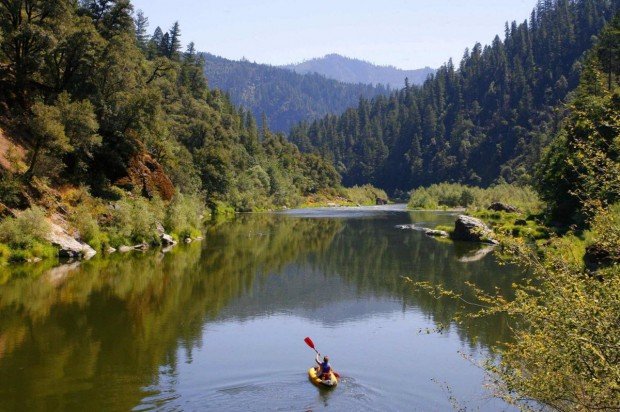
[325, 367]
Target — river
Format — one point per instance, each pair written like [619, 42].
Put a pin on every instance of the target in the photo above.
[219, 324]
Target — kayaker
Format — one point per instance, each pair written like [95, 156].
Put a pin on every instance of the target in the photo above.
[324, 369]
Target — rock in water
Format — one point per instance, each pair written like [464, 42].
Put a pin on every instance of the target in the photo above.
[470, 229]
[436, 233]
[167, 240]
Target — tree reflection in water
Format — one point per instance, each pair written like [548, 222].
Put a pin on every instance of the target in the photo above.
[72, 336]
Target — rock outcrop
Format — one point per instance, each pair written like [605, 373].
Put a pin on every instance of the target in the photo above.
[470, 229]
[70, 247]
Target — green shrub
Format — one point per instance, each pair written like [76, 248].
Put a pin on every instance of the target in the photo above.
[26, 229]
[364, 195]
[184, 216]
[88, 227]
[10, 189]
[134, 220]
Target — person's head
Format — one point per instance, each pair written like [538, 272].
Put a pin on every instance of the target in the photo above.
[325, 358]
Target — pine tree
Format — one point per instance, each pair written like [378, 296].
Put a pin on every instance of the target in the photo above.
[174, 46]
[142, 23]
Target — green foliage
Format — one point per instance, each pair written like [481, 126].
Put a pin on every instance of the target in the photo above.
[23, 231]
[583, 163]
[134, 220]
[474, 122]
[88, 227]
[565, 351]
[365, 195]
[49, 134]
[10, 188]
[104, 104]
[25, 237]
[184, 216]
[452, 195]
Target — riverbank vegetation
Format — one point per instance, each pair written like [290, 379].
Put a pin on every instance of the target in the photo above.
[114, 132]
[454, 195]
[365, 195]
[565, 353]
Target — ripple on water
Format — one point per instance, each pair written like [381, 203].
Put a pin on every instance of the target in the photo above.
[288, 393]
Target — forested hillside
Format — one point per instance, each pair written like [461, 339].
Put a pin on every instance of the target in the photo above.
[97, 102]
[348, 70]
[486, 119]
[284, 97]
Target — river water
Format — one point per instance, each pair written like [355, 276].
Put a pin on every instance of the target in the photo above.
[219, 324]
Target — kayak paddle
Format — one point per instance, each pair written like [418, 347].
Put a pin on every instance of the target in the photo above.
[311, 344]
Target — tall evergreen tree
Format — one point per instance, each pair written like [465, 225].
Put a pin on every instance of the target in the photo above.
[175, 41]
[141, 23]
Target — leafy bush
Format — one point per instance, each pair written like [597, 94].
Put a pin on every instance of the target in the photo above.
[184, 216]
[24, 237]
[10, 189]
[134, 220]
[364, 195]
[23, 231]
[88, 227]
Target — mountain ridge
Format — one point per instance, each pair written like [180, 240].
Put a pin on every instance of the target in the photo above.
[353, 70]
[283, 96]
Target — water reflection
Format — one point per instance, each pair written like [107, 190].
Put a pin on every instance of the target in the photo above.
[74, 336]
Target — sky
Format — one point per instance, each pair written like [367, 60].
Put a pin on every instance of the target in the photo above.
[408, 34]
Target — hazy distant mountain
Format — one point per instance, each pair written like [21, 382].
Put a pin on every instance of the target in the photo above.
[283, 96]
[345, 69]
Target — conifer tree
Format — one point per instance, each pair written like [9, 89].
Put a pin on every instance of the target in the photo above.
[141, 23]
[175, 41]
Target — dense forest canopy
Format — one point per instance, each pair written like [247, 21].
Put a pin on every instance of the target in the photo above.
[486, 119]
[285, 98]
[99, 102]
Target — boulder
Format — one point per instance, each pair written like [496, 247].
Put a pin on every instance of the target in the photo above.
[109, 250]
[188, 240]
[470, 229]
[125, 249]
[502, 207]
[167, 240]
[69, 247]
[141, 246]
[435, 233]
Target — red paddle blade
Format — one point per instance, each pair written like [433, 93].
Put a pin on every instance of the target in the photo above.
[309, 342]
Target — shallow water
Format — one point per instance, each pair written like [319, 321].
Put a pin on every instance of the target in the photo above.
[220, 324]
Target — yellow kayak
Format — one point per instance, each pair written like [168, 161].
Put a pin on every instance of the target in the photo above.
[330, 383]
